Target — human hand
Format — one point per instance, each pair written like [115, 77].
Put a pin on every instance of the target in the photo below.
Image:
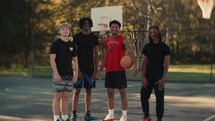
[99, 75]
[144, 82]
[57, 78]
[134, 70]
[160, 84]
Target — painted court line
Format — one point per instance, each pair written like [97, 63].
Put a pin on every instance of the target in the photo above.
[2, 117]
[209, 118]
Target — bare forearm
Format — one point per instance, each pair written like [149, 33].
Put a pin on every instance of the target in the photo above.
[53, 65]
[166, 66]
[76, 65]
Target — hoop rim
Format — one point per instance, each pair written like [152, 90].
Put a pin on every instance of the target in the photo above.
[103, 24]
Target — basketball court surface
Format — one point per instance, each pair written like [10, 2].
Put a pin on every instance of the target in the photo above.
[30, 99]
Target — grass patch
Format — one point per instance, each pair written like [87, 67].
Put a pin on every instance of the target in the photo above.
[200, 73]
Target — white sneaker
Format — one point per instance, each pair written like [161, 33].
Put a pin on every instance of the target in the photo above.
[123, 118]
[109, 118]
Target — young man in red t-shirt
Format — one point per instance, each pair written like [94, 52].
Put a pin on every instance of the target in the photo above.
[115, 78]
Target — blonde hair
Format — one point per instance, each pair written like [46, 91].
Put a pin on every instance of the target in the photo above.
[64, 25]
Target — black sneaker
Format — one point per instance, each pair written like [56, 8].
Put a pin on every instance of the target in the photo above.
[90, 118]
[73, 117]
[159, 119]
[66, 120]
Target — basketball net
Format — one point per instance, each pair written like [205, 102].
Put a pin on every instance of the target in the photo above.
[206, 7]
[102, 28]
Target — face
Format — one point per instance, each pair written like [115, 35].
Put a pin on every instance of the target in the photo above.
[114, 28]
[86, 26]
[64, 31]
[153, 32]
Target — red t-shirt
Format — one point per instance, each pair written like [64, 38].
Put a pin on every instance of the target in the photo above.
[115, 50]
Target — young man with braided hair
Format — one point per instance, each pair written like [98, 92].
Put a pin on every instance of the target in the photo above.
[156, 57]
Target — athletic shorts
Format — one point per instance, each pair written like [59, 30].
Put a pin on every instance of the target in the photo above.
[115, 80]
[64, 85]
[87, 82]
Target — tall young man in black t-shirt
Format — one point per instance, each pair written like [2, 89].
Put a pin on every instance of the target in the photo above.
[87, 48]
[155, 67]
[62, 53]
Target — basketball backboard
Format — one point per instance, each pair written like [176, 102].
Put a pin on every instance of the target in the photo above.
[103, 15]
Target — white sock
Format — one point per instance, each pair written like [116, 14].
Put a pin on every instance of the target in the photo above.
[111, 113]
[124, 113]
[64, 117]
[56, 117]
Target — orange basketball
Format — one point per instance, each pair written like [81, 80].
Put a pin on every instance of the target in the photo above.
[126, 62]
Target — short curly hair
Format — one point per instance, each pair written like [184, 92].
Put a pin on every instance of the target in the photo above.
[82, 20]
[115, 22]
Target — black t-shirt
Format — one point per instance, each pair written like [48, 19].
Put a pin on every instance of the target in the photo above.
[64, 52]
[155, 54]
[85, 45]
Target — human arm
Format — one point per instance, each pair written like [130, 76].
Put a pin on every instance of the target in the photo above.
[54, 67]
[102, 65]
[166, 68]
[144, 81]
[95, 60]
[131, 53]
[75, 77]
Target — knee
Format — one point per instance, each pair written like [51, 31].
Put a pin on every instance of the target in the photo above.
[66, 97]
[88, 91]
[77, 91]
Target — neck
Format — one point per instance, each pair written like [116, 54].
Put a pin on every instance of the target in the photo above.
[115, 35]
[156, 41]
[86, 32]
[65, 39]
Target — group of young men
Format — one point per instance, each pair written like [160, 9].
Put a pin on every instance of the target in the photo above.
[75, 65]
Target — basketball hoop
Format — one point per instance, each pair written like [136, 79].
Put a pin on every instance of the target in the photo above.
[102, 27]
[206, 7]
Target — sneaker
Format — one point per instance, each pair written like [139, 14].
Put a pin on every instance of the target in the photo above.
[147, 119]
[89, 118]
[73, 117]
[123, 118]
[159, 119]
[66, 120]
[107, 118]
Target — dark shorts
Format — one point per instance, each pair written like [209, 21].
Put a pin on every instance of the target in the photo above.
[87, 82]
[64, 85]
[115, 80]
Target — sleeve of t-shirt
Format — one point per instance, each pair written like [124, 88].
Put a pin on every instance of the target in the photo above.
[96, 41]
[74, 54]
[167, 50]
[75, 40]
[53, 48]
[144, 51]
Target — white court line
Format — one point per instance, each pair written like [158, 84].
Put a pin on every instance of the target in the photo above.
[3, 117]
[209, 118]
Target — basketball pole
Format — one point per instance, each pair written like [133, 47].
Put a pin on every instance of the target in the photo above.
[206, 8]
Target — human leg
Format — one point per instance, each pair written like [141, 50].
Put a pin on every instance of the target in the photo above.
[110, 115]
[124, 104]
[64, 105]
[75, 99]
[145, 95]
[56, 105]
[87, 99]
[159, 94]
[88, 116]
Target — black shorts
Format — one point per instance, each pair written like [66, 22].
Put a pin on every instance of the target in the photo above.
[87, 82]
[115, 80]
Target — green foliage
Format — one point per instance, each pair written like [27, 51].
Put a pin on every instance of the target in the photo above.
[29, 26]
